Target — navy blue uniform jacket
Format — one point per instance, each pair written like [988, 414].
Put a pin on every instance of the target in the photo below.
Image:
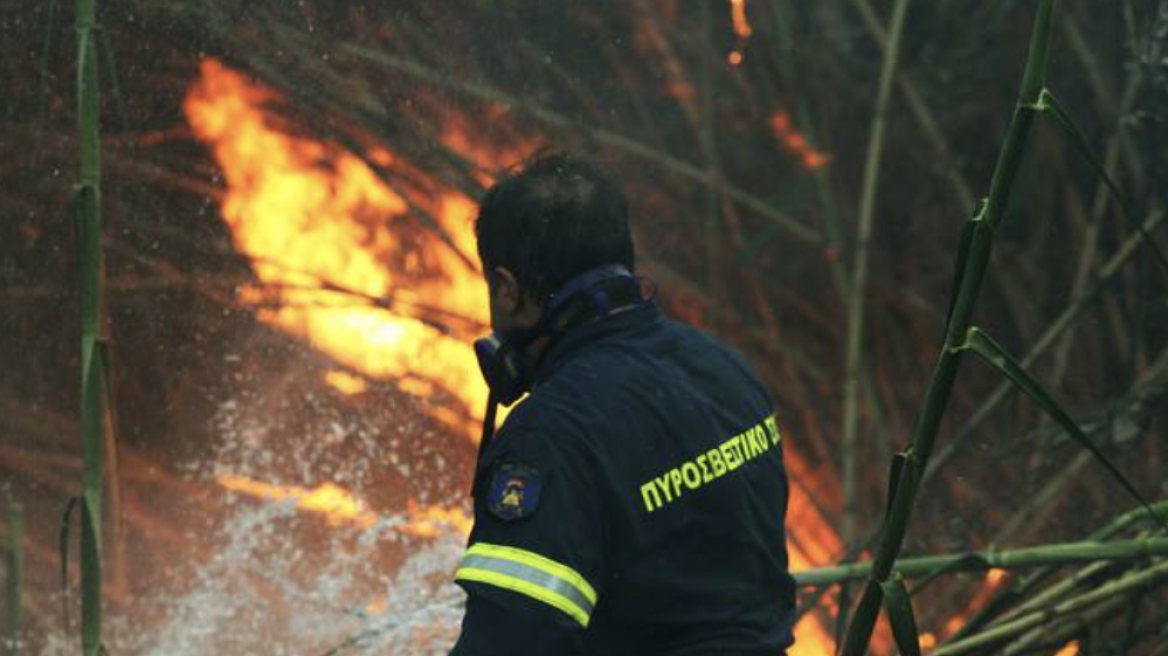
[632, 504]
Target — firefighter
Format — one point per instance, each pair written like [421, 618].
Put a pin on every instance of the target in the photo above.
[633, 502]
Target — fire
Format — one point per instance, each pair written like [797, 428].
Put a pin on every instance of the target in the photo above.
[811, 638]
[738, 15]
[341, 507]
[322, 230]
[336, 504]
[316, 220]
[742, 30]
[784, 130]
[431, 521]
[345, 382]
[994, 578]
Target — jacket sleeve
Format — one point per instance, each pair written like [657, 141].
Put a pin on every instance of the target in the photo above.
[535, 562]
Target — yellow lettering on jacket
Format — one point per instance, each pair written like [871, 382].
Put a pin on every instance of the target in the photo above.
[711, 465]
[649, 495]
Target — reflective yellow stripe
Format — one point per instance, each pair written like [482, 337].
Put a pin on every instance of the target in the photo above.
[523, 587]
[537, 561]
[530, 574]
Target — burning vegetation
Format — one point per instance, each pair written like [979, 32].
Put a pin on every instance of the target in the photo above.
[288, 195]
[322, 230]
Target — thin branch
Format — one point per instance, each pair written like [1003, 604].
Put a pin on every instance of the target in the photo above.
[980, 561]
[1130, 583]
[859, 282]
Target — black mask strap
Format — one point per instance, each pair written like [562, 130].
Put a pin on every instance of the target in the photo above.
[488, 434]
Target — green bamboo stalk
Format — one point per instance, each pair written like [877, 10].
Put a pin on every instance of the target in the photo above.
[1131, 518]
[1049, 337]
[900, 616]
[977, 244]
[12, 638]
[1055, 636]
[1111, 159]
[929, 127]
[977, 561]
[985, 347]
[1049, 103]
[1130, 583]
[1033, 600]
[866, 214]
[1024, 588]
[921, 112]
[94, 372]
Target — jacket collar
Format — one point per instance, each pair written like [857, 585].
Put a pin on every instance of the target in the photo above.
[579, 338]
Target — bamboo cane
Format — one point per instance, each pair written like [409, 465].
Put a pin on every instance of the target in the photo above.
[1048, 339]
[866, 213]
[1130, 583]
[971, 270]
[977, 561]
[1055, 635]
[1118, 112]
[1023, 589]
[920, 110]
[94, 374]
[858, 283]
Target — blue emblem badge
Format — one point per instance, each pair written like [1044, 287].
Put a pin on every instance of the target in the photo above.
[514, 491]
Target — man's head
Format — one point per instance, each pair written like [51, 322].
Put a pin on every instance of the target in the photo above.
[555, 217]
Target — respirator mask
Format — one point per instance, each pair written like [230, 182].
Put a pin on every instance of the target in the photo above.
[507, 367]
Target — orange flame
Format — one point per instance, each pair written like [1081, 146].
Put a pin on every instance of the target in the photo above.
[812, 543]
[738, 15]
[994, 578]
[314, 219]
[795, 143]
[345, 382]
[336, 504]
[431, 521]
[312, 216]
[340, 507]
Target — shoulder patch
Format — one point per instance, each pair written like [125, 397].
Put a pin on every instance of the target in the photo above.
[514, 491]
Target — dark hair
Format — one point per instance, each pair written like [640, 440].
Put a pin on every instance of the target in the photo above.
[554, 217]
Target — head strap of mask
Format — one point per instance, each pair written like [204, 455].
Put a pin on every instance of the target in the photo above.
[505, 364]
[507, 367]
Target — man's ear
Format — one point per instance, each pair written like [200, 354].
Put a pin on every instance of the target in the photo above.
[505, 293]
